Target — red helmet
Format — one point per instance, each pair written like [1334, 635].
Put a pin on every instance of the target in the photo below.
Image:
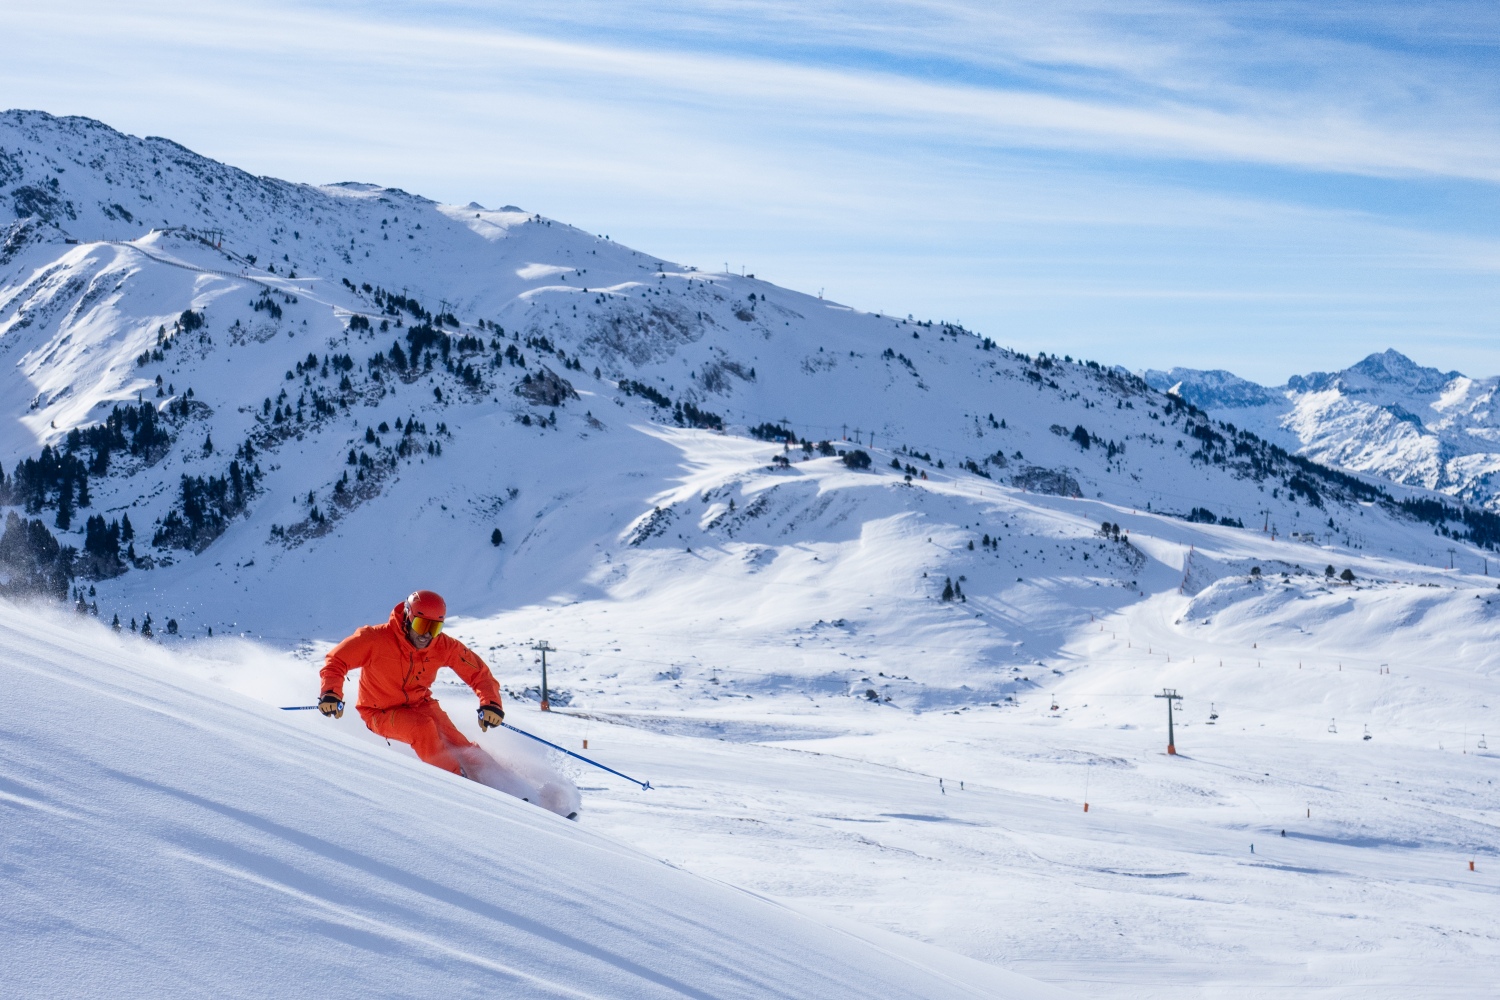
[428, 607]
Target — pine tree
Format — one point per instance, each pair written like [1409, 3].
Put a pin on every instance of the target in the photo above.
[496, 537]
[116, 623]
[947, 589]
[65, 505]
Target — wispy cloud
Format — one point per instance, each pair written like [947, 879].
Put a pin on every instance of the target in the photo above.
[1008, 164]
[1077, 79]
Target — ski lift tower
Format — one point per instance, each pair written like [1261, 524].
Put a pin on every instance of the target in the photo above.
[1171, 695]
[543, 648]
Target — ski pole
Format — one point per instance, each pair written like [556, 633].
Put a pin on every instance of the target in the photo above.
[309, 708]
[645, 785]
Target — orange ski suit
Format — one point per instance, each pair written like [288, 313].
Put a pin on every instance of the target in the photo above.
[395, 686]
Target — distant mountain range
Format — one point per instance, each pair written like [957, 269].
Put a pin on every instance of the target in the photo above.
[1386, 416]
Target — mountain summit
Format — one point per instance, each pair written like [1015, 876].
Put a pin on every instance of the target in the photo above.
[1385, 416]
[1386, 371]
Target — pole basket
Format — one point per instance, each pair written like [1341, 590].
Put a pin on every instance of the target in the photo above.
[1172, 750]
[546, 705]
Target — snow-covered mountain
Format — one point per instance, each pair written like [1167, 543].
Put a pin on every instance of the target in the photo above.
[282, 385]
[800, 559]
[1385, 416]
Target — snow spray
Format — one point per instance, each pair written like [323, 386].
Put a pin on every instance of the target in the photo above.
[645, 785]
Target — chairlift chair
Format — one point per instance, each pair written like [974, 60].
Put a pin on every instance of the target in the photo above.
[1212, 715]
[1482, 744]
[1367, 733]
[1332, 727]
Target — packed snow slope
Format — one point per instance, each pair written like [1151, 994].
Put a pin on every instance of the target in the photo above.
[162, 838]
[1386, 416]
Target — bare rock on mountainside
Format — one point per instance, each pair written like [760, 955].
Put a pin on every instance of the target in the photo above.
[1055, 482]
[638, 335]
[545, 388]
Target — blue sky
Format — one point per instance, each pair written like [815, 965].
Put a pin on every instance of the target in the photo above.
[1266, 187]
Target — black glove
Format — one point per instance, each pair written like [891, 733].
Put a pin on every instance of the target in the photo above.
[330, 704]
[490, 716]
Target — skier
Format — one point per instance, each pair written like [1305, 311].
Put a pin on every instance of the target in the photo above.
[397, 663]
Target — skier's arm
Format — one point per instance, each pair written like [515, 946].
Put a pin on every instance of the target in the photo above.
[346, 656]
[473, 672]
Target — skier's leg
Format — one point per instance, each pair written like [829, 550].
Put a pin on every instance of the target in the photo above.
[445, 727]
[525, 778]
[476, 763]
[417, 728]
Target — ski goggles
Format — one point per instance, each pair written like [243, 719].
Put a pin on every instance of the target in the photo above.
[426, 626]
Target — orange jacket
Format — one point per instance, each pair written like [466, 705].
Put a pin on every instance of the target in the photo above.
[393, 672]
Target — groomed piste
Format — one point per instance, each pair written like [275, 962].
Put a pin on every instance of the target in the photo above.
[164, 838]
